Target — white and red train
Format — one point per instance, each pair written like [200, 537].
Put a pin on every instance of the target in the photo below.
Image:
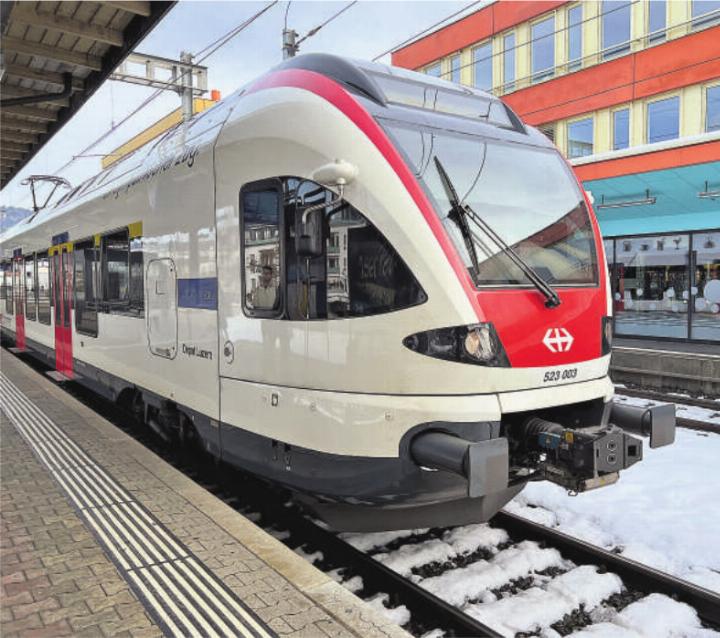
[379, 289]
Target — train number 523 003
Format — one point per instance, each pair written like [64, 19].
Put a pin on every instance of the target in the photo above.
[559, 375]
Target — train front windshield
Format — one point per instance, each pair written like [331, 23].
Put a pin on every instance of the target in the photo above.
[527, 195]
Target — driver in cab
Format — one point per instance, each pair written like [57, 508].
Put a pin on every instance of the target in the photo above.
[264, 296]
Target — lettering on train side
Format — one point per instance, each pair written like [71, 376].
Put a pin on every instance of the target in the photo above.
[186, 156]
[194, 351]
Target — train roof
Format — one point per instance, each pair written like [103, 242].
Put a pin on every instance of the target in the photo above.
[379, 85]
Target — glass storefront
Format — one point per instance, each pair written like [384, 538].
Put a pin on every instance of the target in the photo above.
[666, 286]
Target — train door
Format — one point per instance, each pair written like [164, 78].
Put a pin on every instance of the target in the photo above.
[162, 317]
[62, 278]
[18, 274]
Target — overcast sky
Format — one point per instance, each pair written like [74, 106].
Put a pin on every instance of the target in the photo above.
[364, 31]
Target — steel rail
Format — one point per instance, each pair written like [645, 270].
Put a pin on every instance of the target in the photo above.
[633, 574]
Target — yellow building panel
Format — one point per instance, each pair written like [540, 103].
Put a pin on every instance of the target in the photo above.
[466, 69]
[691, 110]
[150, 133]
[522, 54]
[678, 17]
[602, 138]
[591, 32]
[638, 25]
[561, 38]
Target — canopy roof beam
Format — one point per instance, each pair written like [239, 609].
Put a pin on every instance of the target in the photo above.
[24, 12]
[47, 52]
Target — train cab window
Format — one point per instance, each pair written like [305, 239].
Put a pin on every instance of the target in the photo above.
[85, 280]
[260, 204]
[122, 273]
[357, 272]
[42, 287]
[30, 292]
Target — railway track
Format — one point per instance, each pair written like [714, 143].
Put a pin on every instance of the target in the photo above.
[409, 588]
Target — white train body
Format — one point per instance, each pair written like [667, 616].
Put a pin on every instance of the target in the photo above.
[324, 404]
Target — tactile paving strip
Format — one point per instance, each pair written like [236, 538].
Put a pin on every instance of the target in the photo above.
[184, 597]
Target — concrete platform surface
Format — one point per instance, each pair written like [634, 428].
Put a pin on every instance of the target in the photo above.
[100, 537]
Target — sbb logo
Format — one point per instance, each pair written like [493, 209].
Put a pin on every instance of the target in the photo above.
[558, 340]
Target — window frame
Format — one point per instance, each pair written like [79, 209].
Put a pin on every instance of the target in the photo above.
[576, 63]
[270, 183]
[31, 316]
[42, 318]
[702, 21]
[437, 64]
[583, 118]
[706, 113]
[613, 112]
[126, 308]
[455, 57]
[548, 73]
[473, 53]
[620, 48]
[647, 105]
[509, 85]
[81, 244]
[656, 37]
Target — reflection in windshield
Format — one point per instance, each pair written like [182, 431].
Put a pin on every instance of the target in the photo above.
[526, 194]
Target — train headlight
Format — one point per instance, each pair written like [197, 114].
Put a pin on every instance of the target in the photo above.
[607, 335]
[478, 344]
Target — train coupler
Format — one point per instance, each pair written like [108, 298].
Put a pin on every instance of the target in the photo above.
[580, 459]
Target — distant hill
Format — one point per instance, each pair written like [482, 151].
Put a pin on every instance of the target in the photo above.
[11, 215]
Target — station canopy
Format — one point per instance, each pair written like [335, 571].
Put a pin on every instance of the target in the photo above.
[55, 55]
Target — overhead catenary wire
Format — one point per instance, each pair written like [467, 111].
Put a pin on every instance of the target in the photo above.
[427, 29]
[337, 14]
[205, 53]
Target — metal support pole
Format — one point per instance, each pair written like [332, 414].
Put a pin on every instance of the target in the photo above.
[290, 48]
[186, 93]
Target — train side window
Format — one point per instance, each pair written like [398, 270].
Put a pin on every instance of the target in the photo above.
[42, 286]
[30, 292]
[122, 273]
[85, 280]
[7, 291]
[18, 274]
[260, 206]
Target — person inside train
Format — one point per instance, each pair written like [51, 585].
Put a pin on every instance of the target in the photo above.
[264, 296]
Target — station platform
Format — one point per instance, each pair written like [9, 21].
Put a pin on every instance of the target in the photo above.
[100, 537]
[667, 366]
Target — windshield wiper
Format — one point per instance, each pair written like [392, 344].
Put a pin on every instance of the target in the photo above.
[463, 211]
[457, 211]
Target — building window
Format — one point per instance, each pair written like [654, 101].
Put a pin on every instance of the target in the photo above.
[663, 120]
[482, 63]
[652, 290]
[543, 49]
[705, 13]
[615, 28]
[706, 287]
[509, 62]
[574, 20]
[434, 69]
[85, 282]
[42, 286]
[30, 299]
[657, 12]
[712, 108]
[621, 129]
[580, 138]
[455, 69]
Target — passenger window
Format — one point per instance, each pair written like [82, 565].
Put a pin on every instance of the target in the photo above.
[85, 279]
[6, 290]
[122, 273]
[42, 286]
[260, 205]
[30, 299]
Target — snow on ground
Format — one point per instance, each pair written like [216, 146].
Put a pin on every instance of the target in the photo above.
[664, 511]
[655, 616]
[399, 615]
[681, 410]
[537, 607]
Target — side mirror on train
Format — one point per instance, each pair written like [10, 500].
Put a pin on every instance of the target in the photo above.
[309, 225]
